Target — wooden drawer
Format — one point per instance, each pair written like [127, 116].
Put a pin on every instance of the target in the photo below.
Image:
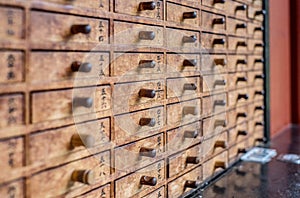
[237, 116]
[214, 145]
[238, 97]
[11, 110]
[220, 5]
[184, 160]
[13, 66]
[214, 125]
[183, 15]
[182, 113]
[256, 93]
[184, 137]
[58, 66]
[236, 151]
[63, 181]
[135, 182]
[255, 30]
[66, 31]
[152, 9]
[102, 192]
[183, 63]
[59, 104]
[214, 22]
[215, 82]
[256, 109]
[138, 95]
[256, 62]
[215, 165]
[143, 64]
[214, 104]
[185, 183]
[256, 46]
[156, 194]
[257, 136]
[182, 40]
[256, 124]
[137, 34]
[238, 133]
[213, 41]
[237, 80]
[91, 4]
[13, 189]
[71, 141]
[256, 78]
[238, 44]
[237, 63]
[12, 23]
[256, 13]
[236, 27]
[137, 125]
[237, 9]
[214, 63]
[138, 154]
[187, 87]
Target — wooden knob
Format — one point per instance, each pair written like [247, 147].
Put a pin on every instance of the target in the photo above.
[191, 134]
[243, 96]
[219, 103]
[219, 1]
[241, 44]
[241, 8]
[146, 35]
[192, 184]
[241, 26]
[262, 92]
[263, 140]
[220, 61]
[243, 115]
[147, 93]
[219, 164]
[241, 61]
[82, 67]
[260, 12]
[190, 110]
[147, 152]
[147, 122]
[241, 150]
[222, 123]
[259, 108]
[242, 79]
[192, 160]
[261, 28]
[189, 86]
[83, 102]
[259, 45]
[218, 21]
[220, 82]
[83, 176]
[148, 181]
[190, 63]
[221, 144]
[242, 133]
[189, 15]
[84, 29]
[219, 41]
[189, 39]
[259, 123]
[147, 64]
[259, 60]
[82, 140]
[150, 5]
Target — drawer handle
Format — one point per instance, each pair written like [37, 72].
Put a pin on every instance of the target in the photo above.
[262, 92]
[150, 122]
[147, 152]
[147, 64]
[243, 115]
[146, 35]
[220, 61]
[218, 21]
[243, 96]
[221, 123]
[150, 5]
[241, 79]
[220, 103]
[84, 102]
[260, 123]
[261, 28]
[259, 60]
[241, 61]
[219, 1]
[220, 82]
[190, 134]
[219, 41]
[84, 29]
[241, 26]
[259, 76]
[241, 44]
[148, 181]
[189, 15]
[242, 133]
[241, 150]
[219, 164]
[82, 67]
[190, 110]
[189, 39]
[192, 160]
[191, 184]
[190, 86]
[221, 144]
[260, 12]
[241, 8]
[257, 108]
[259, 45]
[82, 140]
[83, 176]
[190, 62]
[147, 93]
[262, 140]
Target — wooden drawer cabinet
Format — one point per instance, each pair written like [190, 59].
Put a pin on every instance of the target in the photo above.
[12, 66]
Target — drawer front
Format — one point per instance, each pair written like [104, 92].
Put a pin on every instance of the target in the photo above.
[214, 4]
[182, 40]
[214, 63]
[92, 4]
[137, 34]
[256, 46]
[150, 9]
[238, 133]
[12, 23]
[11, 110]
[237, 9]
[256, 109]
[215, 145]
[183, 15]
[67, 31]
[184, 112]
[238, 63]
[213, 41]
[156, 194]
[178, 87]
[237, 44]
[256, 93]
[66, 103]
[236, 151]
[237, 27]
[238, 97]
[183, 63]
[133, 126]
[139, 154]
[256, 62]
[61, 180]
[256, 13]
[69, 141]
[214, 104]
[13, 189]
[13, 69]
[184, 160]
[237, 80]
[256, 125]
[143, 64]
[255, 30]
[213, 21]
[237, 116]
[214, 125]
[184, 137]
[215, 165]
[256, 78]
[179, 186]
[58, 66]
[212, 83]
[101, 192]
[134, 183]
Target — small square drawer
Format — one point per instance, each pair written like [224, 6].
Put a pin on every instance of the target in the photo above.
[215, 82]
[237, 63]
[238, 133]
[67, 31]
[151, 9]
[214, 63]
[215, 165]
[256, 13]
[237, 80]
[13, 66]
[256, 62]
[214, 125]
[236, 27]
[237, 116]
[213, 41]
[184, 184]
[188, 87]
[256, 30]
[184, 137]
[256, 46]
[237, 150]
[257, 136]
[157, 193]
[256, 109]
[214, 104]
[256, 124]
[237, 9]
[211, 21]
[214, 145]
[238, 44]
[183, 63]
[139, 124]
[137, 34]
[141, 64]
[182, 40]
[256, 93]
[91, 4]
[13, 189]
[11, 110]
[218, 4]
[141, 180]
[256, 78]
[183, 15]
[103, 191]
[238, 97]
